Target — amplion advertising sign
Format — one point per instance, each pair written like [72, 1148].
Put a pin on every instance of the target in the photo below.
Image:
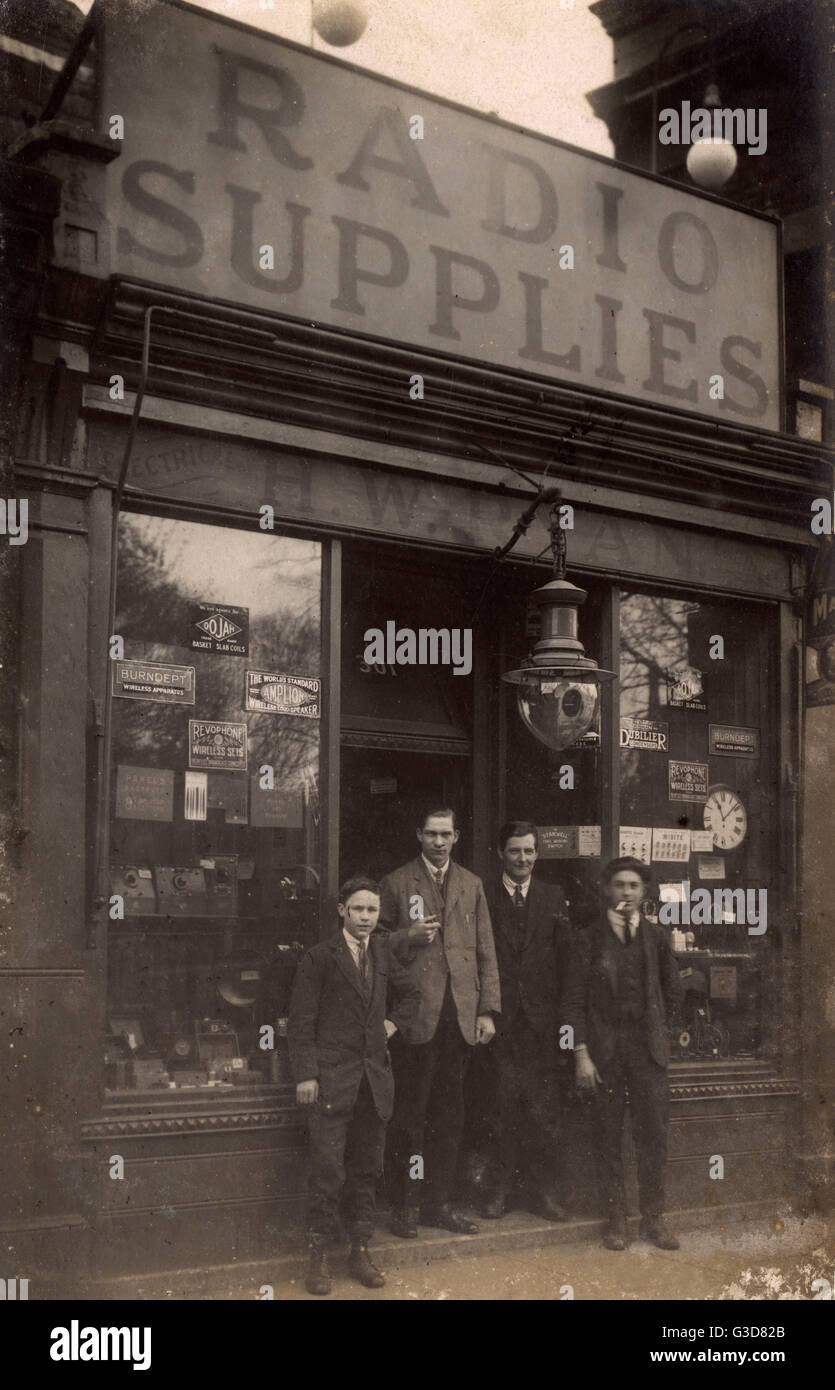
[257, 172]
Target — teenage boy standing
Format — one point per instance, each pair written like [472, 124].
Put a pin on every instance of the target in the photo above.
[338, 1033]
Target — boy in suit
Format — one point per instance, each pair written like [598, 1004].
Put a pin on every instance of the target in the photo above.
[337, 1028]
[623, 988]
[440, 924]
[531, 932]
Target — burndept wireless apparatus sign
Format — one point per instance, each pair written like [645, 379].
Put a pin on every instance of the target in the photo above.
[256, 172]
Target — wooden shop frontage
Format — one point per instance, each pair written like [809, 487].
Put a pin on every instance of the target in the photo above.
[299, 348]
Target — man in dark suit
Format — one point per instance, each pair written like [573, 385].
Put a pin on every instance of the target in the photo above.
[531, 932]
[440, 923]
[623, 987]
[337, 1030]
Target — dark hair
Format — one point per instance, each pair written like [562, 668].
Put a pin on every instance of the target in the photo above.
[359, 884]
[514, 828]
[627, 862]
[432, 810]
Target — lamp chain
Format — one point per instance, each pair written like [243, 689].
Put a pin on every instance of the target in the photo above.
[558, 549]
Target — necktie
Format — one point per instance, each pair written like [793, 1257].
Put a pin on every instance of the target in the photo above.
[440, 880]
[518, 898]
[363, 962]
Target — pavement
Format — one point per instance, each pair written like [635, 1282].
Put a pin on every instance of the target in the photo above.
[776, 1257]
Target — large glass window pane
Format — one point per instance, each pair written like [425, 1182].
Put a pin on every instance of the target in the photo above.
[215, 812]
[697, 787]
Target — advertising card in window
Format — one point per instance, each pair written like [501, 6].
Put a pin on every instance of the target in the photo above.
[217, 744]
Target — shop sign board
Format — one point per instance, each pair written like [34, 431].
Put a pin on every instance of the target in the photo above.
[218, 627]
[217, 744]
[557, 841]
[649, 734]
[153, 680]
[734, 741]
[687, 781]
[144, 793]
[291, 182]
[269, 693]
[685, 688]
[636, 843]
[669, 845]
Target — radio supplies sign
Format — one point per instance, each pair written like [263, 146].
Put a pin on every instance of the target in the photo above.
[482, 240]
[269, 693]
[217, 744]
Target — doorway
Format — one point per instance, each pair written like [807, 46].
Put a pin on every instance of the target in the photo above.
[384, 791]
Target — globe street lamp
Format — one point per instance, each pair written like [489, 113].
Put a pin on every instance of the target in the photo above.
[558, 686]
[339, 22]
[711, 160]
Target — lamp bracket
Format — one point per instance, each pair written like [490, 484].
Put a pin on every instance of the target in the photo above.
[545, 494]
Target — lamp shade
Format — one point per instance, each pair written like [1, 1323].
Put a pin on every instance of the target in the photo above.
[711, 162]
[558, 688]
[339, 22]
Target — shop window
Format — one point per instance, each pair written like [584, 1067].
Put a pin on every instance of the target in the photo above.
[215, 805]
[696, 792]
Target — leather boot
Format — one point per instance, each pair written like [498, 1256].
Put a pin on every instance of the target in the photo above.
[656, 1230]
[317, 1278]
[404, 1222]
[616, 1237]
[362, 1268]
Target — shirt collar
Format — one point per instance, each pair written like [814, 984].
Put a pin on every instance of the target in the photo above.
[354, 946]
[433, 870]
[511, 886]
[616, 923]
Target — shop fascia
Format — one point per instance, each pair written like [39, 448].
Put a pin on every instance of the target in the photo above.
[444, 282]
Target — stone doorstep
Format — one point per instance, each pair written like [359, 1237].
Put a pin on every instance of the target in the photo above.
[517, 1231]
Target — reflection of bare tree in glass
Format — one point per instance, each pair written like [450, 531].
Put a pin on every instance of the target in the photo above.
[653, 641]
[153, 616]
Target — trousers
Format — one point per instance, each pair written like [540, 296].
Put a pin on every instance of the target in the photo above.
[526, 1125]
[633, 1072]
[346, 1159]
[428, 1112]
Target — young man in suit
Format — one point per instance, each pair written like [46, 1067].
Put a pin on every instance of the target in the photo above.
[531, 932]
[623, 988]
[337, 1029]
[440, 923]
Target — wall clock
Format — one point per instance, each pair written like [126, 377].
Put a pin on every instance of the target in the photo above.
[726, 817]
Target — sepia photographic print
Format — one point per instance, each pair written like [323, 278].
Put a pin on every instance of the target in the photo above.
[418, 664]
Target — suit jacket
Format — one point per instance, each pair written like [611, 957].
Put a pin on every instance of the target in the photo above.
[463, 951]
[334, 1036]
[590, 999]
[532, 967]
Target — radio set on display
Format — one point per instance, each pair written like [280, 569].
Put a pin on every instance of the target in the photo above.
[210, 890]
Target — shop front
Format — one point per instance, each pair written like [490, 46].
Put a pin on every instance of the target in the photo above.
[301, 472]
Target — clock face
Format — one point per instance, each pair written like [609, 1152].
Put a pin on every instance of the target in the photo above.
[725, 816]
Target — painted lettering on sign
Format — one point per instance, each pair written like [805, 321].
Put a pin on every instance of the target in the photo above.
[452, 243]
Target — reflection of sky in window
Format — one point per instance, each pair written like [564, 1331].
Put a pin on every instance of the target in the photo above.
[653, 640]
[249, 569]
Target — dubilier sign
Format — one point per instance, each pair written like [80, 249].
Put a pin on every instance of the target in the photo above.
[257, 172]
